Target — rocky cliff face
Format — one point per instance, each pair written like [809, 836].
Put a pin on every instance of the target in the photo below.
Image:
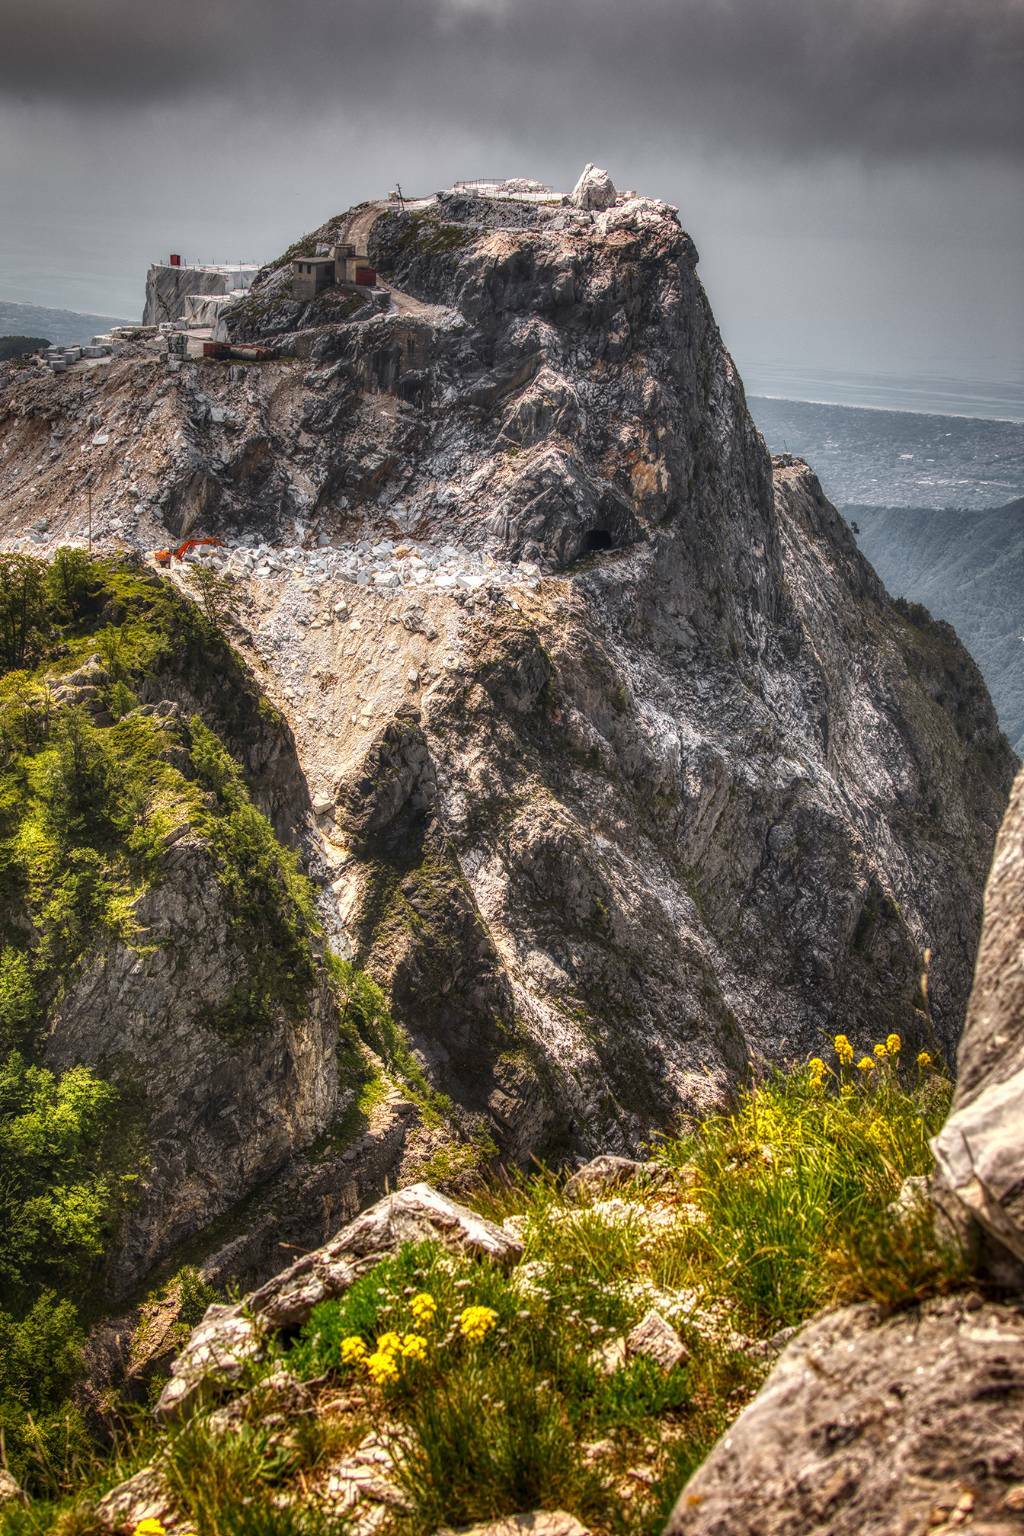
[625, 771]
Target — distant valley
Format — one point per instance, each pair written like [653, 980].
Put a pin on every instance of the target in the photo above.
[967, 568]
[934, 503]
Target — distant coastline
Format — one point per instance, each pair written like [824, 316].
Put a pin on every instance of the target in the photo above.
[887, 457]
[903, 410]
[923, 394]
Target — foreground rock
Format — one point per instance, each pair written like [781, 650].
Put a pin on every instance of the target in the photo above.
[229, 1336]
[540, 1522]
[606, 1172]
[655, 1339]
[980, 1150]
[143, 1496]
[873, 1427]
[10, 1490]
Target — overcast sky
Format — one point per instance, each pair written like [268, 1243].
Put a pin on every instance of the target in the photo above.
[849, 169]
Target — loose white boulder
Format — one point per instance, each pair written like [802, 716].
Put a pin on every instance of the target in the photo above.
[594, 190]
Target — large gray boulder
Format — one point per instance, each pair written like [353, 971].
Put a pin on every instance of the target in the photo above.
[594, 190]
[873, 1426]
[979, 1152]
[230, 1336]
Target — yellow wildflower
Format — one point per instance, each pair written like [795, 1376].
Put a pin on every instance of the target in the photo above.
[865, 1064]
[149, 1527]
[476, 1322]
[846, 1091]
[352, 1349]
[414, 1347]
[893, 1044]
[423, 1308]
[924, 1060]
[817, 1066]
[880, 1051]
[381, 1366]
[844, 1050]
[389, 1343]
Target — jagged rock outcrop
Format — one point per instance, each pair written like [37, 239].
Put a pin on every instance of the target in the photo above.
[229, 1336]
[626, 772]
[594, 190]
[979, 1153]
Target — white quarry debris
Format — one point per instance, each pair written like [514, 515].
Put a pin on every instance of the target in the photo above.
[382, 566]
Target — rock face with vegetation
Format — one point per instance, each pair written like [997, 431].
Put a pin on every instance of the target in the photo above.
[874, 1422]
[612, 769]
[626, 771]
[169, 1035]
[156, 931]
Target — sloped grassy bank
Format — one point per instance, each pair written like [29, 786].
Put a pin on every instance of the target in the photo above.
[96, 788]
[474, 1390]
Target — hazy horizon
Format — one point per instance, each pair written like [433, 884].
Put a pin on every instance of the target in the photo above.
[850, 172]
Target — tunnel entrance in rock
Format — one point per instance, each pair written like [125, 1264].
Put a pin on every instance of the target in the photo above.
[597, 538]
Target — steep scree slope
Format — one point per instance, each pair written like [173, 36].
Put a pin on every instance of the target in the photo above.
[625, 770]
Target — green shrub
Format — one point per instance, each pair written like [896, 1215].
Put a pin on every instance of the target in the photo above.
[62, 1148]
[490, 1438]
[44, 1436]
[801, 1174]
[225, 1484]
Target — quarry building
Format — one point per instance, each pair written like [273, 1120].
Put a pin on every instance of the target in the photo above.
[342, 264]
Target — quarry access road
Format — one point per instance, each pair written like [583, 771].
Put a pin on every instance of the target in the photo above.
[357, 232]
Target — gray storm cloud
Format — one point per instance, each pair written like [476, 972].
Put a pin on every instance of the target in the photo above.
[888, 79]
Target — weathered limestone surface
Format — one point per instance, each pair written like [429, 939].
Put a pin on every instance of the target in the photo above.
[229, 1335]
[656, 1340]
[980, 1150]
[872, 1427]
[606, 1171]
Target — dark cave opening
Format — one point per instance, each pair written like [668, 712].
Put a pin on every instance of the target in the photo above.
[597, 538]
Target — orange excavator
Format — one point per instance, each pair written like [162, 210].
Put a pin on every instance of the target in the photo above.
[165, 556]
